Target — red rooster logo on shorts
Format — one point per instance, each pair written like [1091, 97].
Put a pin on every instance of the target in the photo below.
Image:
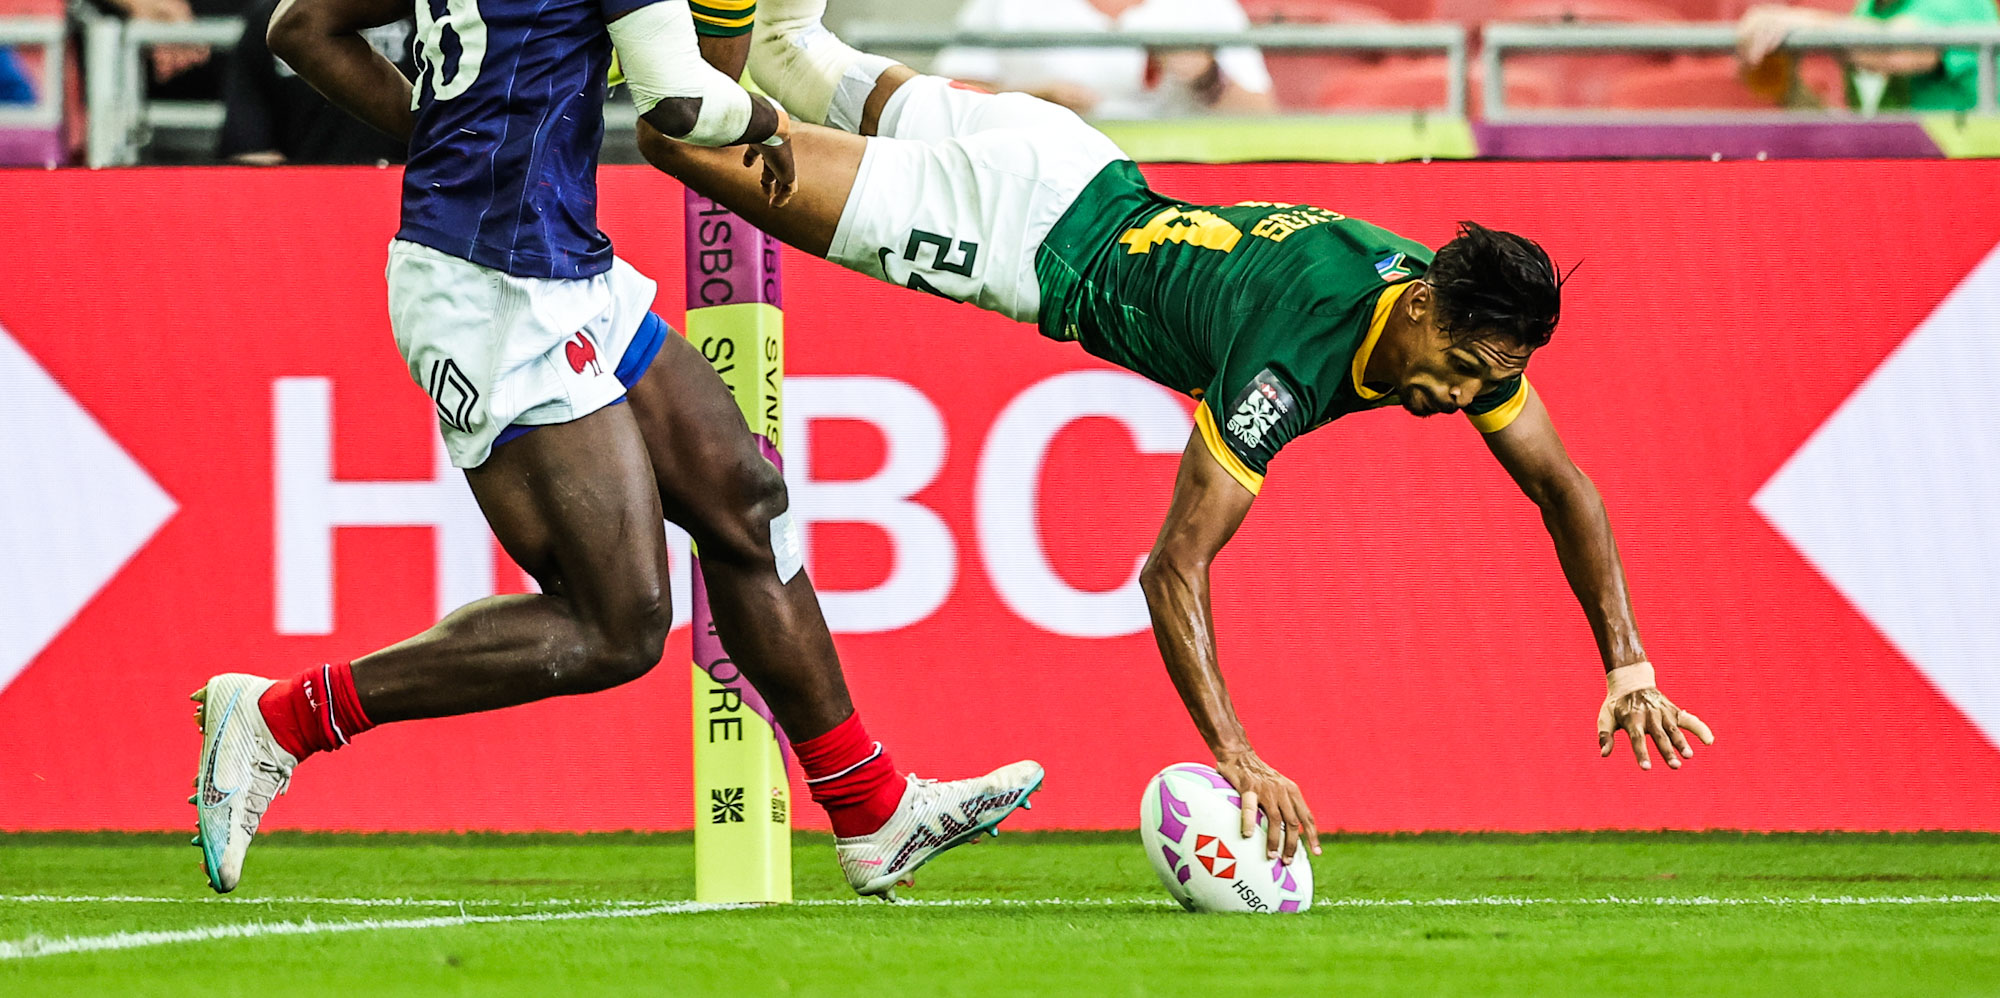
[582, 352]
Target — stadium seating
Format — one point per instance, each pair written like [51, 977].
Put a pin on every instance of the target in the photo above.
[1315, 12]
[1636, 80]
[31, 58]
[1706, 82]
[1555, 11]
[1715, 82]
[1298, 78]
[35, 145]
[1730, 10]
[1412, 83]
[1335, 11]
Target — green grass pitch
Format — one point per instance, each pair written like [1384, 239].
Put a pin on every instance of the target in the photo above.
[1601, 914]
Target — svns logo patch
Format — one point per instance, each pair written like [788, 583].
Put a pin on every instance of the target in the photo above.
[1265, 401]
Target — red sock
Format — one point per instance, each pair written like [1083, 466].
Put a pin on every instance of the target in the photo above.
[852, 777]
[317, 710]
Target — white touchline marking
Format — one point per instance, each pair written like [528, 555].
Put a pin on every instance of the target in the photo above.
[345, 901]
[1691, 901]
[1491, 900]
[36, 946]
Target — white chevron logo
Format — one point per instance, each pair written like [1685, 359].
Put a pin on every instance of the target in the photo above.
[1896, 498]
[74, 507]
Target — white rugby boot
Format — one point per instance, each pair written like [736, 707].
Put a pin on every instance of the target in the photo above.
[933, 816]
[242, 770]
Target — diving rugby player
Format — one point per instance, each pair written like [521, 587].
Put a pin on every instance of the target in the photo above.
[1278, 318]
[579, 418]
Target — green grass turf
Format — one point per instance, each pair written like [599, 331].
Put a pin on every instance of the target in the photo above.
[1116, 938]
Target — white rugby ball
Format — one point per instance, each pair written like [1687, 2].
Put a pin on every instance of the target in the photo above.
[1191, 822]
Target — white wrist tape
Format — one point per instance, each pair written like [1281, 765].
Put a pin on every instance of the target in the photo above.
[1629, 679]
[657, 50]
[1619, 683]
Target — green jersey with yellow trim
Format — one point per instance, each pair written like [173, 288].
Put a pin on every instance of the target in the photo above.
[723, 18]
[1265, 312]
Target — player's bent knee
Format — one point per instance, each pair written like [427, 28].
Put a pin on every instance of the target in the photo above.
[740, 533]
[628, 649]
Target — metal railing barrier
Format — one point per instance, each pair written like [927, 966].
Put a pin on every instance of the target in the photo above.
[1502, 39]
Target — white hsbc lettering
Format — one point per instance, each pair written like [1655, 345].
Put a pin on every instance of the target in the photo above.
[1007, 498]
[923, 551]
[311, 504]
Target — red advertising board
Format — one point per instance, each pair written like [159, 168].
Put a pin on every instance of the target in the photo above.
[216, 462]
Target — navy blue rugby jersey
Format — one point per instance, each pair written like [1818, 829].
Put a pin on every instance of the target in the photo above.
[510, 115]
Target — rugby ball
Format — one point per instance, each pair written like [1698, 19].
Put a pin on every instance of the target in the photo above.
[1191, 822]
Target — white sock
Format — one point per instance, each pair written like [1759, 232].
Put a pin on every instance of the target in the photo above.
[815, 75]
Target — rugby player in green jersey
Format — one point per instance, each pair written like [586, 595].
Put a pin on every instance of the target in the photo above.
[1278, 318]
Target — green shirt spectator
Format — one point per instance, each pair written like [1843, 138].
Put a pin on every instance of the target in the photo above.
[1951, 80]
[1878, 79]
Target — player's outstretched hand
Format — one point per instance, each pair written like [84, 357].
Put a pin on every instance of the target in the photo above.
[1634, 705]
[1287, 819]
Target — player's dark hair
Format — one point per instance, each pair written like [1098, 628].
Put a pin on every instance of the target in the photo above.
[1487, 282]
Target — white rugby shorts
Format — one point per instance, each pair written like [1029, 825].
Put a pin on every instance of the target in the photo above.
[494, 350]
[959, 191]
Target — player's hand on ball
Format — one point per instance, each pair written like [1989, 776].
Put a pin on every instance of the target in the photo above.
[1287, 819]
[1634, 705]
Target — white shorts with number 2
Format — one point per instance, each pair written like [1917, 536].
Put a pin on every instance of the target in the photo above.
[956, 196]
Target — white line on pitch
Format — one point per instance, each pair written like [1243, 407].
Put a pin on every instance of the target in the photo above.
[1693, 901]
[353, 902]
[37, 946]
[1491, 901]
[34, 947]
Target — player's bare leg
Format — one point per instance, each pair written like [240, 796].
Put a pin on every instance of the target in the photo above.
[576, 505]
[714, 482]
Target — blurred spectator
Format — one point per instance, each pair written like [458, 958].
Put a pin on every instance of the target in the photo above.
[14, 86]
[1917, 79]
[178, 72]
[272, 116]
[1116, 82]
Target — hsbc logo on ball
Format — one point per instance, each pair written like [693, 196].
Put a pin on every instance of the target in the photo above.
[1215, 856]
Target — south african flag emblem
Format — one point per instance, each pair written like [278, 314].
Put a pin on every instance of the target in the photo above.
[1393, 269]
